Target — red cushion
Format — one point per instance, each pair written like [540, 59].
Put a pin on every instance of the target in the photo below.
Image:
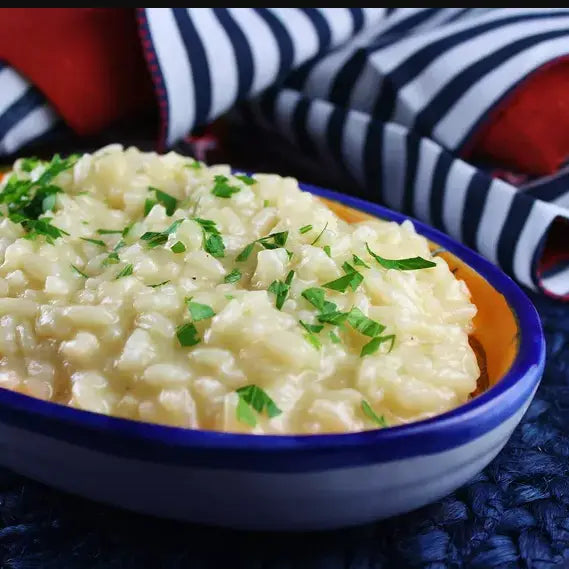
[87, 61]
[529, 130]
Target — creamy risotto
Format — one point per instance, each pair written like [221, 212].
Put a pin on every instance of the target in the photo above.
[155, 288]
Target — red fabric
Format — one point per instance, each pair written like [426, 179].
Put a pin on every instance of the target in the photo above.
[529, 130]
[87, 61]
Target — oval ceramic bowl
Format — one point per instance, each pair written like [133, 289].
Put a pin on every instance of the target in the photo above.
[295, 482]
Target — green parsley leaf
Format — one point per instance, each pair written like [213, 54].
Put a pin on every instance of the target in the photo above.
[350, 279]
[245, 414]
[109, 231]
[112, 259]
[158, 284]
[229, 296]
[169, 202]
[233, 276]
[200, 311]
[311, 328]
[319, 235]
[94, 241]
[373, 345]
[207, 225]
[366, 326]
[154, 238]
[366, 408]
[80, 273]
[222, 189]
[289, 254]
[178, 247]
[246, 179]
[244, 255]
[148, 205]
[280, 289]
[305, 229]
[48, 203]
[196, 165]
[327, 250]
[125, 271]
[359, 263]
[316, 297]
[215, 246]
[274, 240]
[335, 317]
[257, 399]
[411, 264]
[119, 245]
[313, 340]
[37, 227]
[173, 227]
[126, 230]
[187, 334]
[30, 164]
[266, 203]
[334, 337]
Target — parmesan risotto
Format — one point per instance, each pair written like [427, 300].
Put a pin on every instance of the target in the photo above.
[155, 288]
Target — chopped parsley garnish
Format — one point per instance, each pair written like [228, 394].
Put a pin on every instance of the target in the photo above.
[319, 235]
[212, 240]
[126, 230]
[178, 247]
[359, 263]
[253, 398]
[312, 338]
[215, 246]
[187, 335]
[94, 241]
[351, 279]
[372, 346]
[335, 317]
[158, 284]
[169, 202]
[272, 241]
[207, 225]
[289, 254]
[112, 259]
[196, 165]
[334, 337]
[316, 297]
[125, 271]
[366, 326]
[37, 227]
[266, 203]
[411, 264]
[154, 238]
[148, 205]
[280, 289]
[27, 197]
[371, 414]
[312, 328]
[246, 179]
[222, 189]
[109, 231]
[30, 164]
[244, 255]
[229, 296]
[305, 229]
[200, 311]
[327, 250]
[119, 245]
[79, 272]
[233, 276]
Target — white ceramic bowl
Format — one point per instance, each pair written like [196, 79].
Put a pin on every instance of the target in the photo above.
[279, 482]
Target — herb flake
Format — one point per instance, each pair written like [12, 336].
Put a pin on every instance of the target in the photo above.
[200, 311]
[371, 414]
[233, 276]
[410, 264]
[254, 398]
[187, 335]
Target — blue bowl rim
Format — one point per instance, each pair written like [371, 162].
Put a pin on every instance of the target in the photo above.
[515, 387]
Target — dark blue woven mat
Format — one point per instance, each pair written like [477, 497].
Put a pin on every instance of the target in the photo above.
[515, 514]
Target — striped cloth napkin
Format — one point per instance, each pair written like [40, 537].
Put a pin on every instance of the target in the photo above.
[459, 117]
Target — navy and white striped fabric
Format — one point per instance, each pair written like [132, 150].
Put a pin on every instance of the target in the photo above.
[384, 98]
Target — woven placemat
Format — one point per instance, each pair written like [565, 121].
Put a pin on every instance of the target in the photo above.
[514, 514]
